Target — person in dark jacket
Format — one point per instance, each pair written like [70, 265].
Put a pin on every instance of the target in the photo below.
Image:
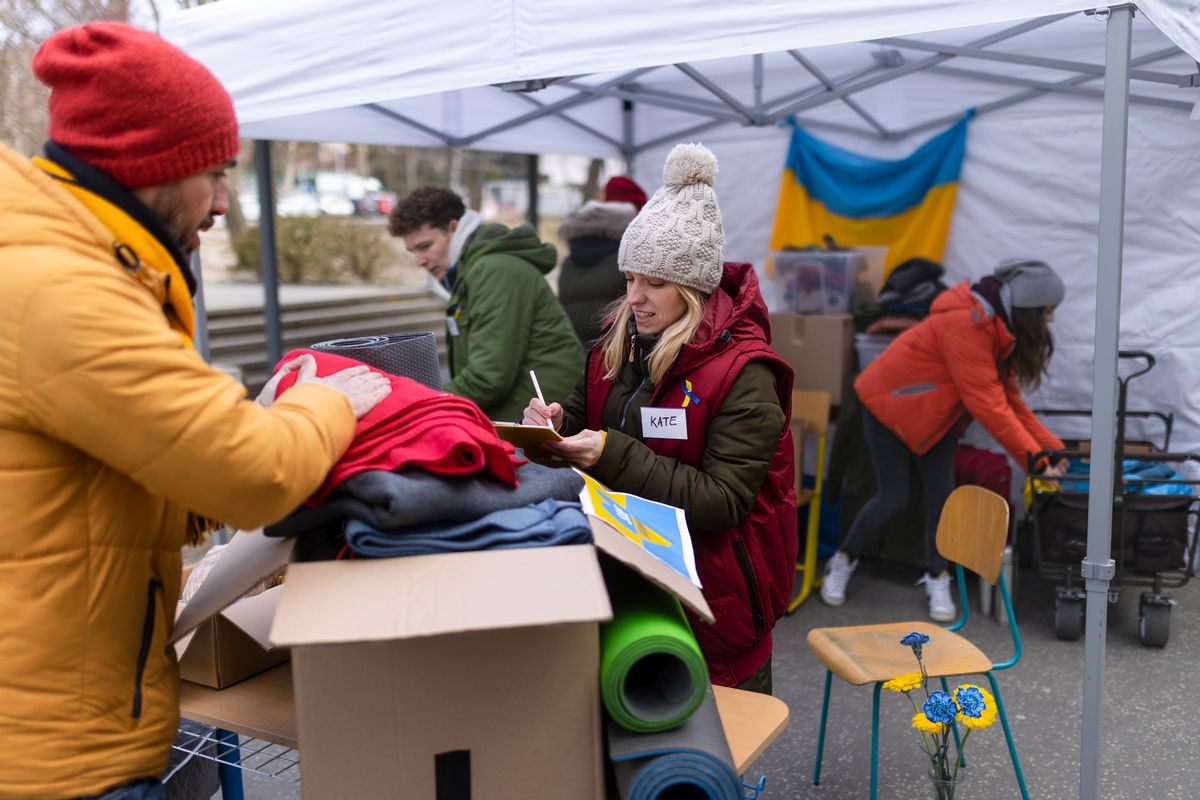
[968, 358]
[502, 318]
[689, 341]
[589, 279]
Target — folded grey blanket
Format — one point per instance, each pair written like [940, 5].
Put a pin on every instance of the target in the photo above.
[550, 522]
[413, 496]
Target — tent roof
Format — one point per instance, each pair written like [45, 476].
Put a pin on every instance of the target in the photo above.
[385, 73]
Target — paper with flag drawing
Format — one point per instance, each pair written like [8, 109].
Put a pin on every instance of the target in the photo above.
[657, 528]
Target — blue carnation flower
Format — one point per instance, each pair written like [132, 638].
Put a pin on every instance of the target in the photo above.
[970, 701]
[915, 639]
[940, 708]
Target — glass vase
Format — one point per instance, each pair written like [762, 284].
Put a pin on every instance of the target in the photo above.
[947, 787]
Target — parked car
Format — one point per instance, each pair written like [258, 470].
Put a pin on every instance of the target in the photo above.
[335, 204]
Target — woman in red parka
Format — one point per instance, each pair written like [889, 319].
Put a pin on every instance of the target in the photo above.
[688, 343]
[968, 358]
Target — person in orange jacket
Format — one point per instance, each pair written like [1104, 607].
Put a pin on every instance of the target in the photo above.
[968, 358]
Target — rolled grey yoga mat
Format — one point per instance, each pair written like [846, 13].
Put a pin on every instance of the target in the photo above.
[409, 355]
[691, 762]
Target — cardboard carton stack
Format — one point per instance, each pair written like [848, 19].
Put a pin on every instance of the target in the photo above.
[812, 328]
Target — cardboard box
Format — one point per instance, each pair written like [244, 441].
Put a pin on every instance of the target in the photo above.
[870, 280]
[423, 676]
[820, 349]
[233, 644]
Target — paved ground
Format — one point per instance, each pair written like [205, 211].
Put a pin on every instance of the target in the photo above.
[1151, 745]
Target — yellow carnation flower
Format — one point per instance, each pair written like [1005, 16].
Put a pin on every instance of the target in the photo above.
[925, 725]
[905, 683]
[988, 714]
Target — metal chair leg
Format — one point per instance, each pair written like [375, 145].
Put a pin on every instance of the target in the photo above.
[821, 731]
[228, 758]
[875, 740]
[1012, 748]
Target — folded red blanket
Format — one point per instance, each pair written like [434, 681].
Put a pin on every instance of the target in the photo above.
[414, 426]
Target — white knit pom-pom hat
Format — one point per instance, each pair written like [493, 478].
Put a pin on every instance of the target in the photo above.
[678, 235]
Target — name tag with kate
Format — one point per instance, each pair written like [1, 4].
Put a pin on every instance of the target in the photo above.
[664, 423]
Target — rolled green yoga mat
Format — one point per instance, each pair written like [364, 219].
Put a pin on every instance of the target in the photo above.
[652, 674]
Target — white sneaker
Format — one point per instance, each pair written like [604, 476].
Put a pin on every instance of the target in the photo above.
[941, 603]
[837, 574]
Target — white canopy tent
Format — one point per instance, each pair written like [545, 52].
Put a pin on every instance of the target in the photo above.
[630, 78]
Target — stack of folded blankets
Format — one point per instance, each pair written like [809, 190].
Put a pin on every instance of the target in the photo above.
[426, 474]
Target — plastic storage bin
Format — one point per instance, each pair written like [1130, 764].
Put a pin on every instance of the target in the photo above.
[816, 282]
[868, 346]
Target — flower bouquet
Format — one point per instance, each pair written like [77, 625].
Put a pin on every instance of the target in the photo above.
[935, 719]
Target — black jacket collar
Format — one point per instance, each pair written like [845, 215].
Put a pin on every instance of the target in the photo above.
[103, 185]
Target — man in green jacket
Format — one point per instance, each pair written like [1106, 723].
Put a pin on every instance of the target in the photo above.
[503, 320]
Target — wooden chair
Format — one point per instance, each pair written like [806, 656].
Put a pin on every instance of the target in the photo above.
[972, 533]
[810, 417]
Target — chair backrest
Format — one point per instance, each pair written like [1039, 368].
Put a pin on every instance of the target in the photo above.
[810, 415]
[973, 530]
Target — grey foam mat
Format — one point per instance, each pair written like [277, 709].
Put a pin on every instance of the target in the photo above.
[409, 355]
[691, 762]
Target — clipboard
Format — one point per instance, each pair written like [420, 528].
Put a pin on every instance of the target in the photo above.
[529, 438]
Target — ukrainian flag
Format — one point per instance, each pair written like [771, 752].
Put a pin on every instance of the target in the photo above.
[905, 204]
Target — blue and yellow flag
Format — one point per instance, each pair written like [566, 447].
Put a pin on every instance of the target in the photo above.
[904, 204]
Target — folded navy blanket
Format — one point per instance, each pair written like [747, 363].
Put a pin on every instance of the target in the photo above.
[550, 522]
[412, 496]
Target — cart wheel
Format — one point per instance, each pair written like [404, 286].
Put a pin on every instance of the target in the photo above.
[1154, 626]
[1068, 618]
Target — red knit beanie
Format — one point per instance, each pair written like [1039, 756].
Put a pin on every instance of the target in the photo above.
[620, 189]
[134, 106]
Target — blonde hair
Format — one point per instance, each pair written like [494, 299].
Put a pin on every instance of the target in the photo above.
[616, 344]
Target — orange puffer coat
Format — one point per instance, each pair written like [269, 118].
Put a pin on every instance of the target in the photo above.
[113, 434]
[945, 368]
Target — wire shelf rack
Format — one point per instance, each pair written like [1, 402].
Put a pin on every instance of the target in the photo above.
[255, 756]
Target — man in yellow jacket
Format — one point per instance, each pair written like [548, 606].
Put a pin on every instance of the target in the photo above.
[116, 439]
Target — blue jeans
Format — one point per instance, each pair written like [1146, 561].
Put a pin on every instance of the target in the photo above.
[141, 789]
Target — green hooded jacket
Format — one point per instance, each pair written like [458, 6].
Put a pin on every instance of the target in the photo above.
[509, 322]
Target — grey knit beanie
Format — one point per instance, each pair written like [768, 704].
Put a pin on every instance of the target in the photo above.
[1031, 283]
[678, 236]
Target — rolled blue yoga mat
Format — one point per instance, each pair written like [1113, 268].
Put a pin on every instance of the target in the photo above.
[691, 762]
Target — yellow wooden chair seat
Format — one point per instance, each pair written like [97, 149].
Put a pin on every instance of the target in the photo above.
[864, 654]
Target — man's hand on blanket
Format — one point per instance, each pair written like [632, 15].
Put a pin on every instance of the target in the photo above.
[306, 364]
[362, 387]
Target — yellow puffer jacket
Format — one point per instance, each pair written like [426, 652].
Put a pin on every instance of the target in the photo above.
[113, 432]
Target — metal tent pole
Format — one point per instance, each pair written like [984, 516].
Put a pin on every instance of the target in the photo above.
[627, 147]
[1098, 567]
[266, 249]
[532, 168]
[201, 310]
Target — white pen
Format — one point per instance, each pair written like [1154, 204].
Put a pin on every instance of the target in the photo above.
[542, 399]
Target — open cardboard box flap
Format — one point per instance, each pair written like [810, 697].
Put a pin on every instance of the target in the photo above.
[400, 598]
[249, 557]
[612, 542]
